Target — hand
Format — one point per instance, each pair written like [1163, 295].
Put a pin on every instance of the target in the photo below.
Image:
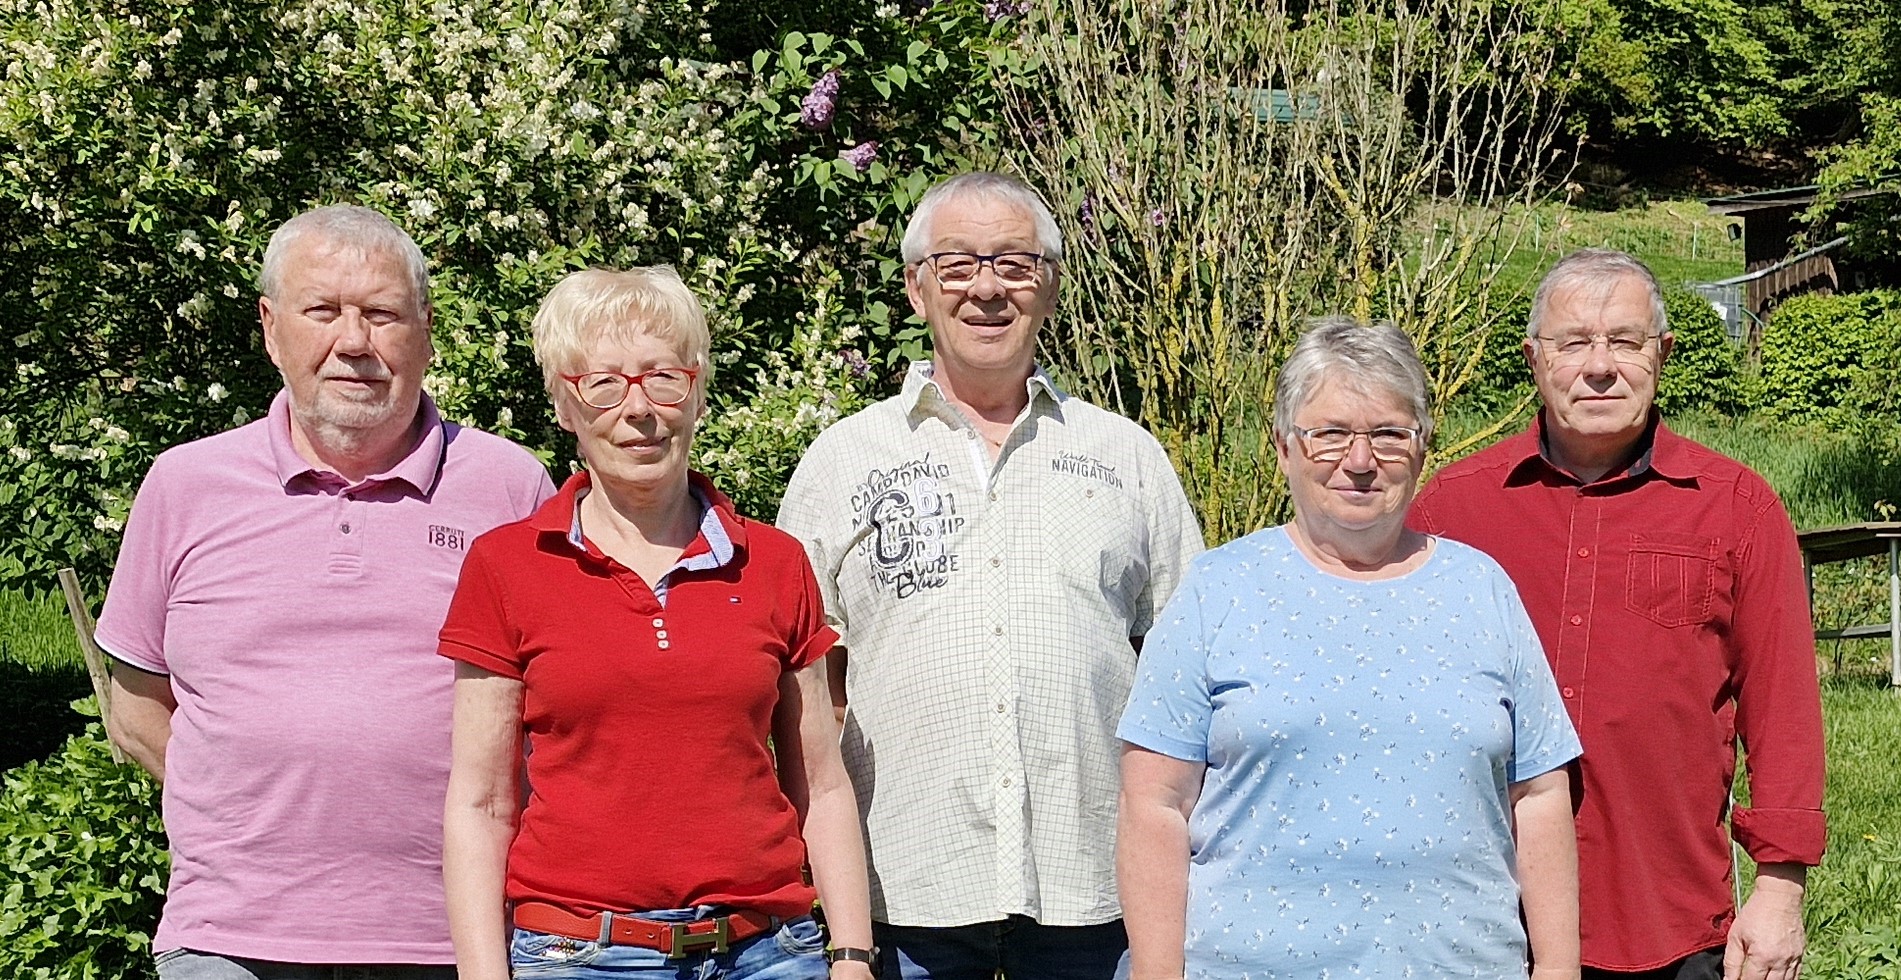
[1766, 940]
[851, 970]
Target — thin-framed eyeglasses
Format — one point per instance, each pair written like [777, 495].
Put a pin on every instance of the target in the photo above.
[1628, 346]
[665, 387]
[959, 270]
[1331, 443]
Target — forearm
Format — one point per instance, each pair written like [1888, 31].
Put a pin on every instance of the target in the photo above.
[1152, 875]
[475, 839]
[835, 845]
[1548, 874]
[479, 817]
[812, 774]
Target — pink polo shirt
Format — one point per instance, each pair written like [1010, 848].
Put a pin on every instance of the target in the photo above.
[297, 617]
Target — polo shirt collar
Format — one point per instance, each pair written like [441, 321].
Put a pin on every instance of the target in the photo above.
[922, 392]
[1661, 453]
[420, 468]
[722, 534]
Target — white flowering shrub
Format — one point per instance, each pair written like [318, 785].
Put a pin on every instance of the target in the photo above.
[151, 148]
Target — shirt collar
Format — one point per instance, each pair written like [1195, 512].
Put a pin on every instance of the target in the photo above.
[722, 535]
[1660, 453]
[922, 392]
[420, 468]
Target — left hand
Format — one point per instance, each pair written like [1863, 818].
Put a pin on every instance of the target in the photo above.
[1766, 940]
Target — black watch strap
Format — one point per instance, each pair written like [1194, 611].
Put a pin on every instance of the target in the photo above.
[852, 954]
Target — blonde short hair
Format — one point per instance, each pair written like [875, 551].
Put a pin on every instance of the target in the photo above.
[599, 304]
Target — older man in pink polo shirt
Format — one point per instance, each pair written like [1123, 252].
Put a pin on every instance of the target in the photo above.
[273, 616]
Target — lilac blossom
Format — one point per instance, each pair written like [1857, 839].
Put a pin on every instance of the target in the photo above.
[996, 10]
[821, 104]
[856, 363]
[861, 156]
[1158, 218]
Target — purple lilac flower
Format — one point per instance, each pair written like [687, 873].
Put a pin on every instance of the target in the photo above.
[856, 362]
[861, 156]
[1157, 218]
[1086, 215]
[996, 10]
[820, 104]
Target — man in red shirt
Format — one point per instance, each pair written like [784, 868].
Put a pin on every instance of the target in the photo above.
[1666, 586]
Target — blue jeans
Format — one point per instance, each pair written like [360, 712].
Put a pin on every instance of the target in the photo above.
[189, 964]
[795, 952]
[1019, 946]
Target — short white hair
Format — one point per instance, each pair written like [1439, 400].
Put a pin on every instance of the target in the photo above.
[1368, 358]
[987, 186]
[350, 226]
[1599, 270]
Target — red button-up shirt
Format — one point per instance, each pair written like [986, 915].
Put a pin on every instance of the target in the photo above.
[1670, 600]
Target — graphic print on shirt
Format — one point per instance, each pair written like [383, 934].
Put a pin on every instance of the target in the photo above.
[910, 519]
[1078, 464]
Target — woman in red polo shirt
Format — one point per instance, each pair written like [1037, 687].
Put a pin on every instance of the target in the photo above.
[646, 641]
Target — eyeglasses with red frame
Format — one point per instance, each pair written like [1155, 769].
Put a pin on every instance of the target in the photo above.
[665, 387]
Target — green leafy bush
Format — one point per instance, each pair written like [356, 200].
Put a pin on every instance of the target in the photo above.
[85, 861]
[1706, 370]
[1871, 954]
[159, 144]
[1817, 348]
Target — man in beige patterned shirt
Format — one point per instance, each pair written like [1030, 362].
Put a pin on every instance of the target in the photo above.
[991, 552]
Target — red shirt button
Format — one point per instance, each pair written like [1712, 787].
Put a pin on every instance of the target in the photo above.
[1569, 692]
[1584, 552]
[1577, 620]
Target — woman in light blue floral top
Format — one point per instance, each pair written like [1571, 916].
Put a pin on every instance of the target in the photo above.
[1345, 755]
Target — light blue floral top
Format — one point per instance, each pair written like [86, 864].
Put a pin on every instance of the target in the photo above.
[1360, 739]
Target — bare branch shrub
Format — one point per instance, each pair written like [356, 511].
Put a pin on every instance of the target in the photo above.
[1225, 171]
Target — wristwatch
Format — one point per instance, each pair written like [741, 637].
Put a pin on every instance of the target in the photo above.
[850, 954]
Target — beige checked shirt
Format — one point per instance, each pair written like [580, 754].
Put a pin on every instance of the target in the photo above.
[987, 609]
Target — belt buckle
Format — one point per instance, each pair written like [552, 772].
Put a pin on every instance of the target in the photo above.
[682, 939]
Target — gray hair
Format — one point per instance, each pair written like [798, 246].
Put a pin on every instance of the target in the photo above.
[350, 226]
[1598, 270]
[1369, 358]
[990, 187]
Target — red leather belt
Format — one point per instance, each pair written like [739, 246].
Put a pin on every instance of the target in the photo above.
[675, 939]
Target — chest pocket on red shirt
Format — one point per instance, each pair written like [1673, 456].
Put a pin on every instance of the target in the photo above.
[1670, 579]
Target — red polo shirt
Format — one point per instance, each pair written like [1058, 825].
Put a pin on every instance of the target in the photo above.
[1670, 601]
[651, 785]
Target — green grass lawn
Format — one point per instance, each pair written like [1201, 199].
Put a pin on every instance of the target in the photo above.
[1681, 241]
[41, 671]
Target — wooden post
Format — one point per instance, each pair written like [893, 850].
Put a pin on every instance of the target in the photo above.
[95, 658]
[1894, 611]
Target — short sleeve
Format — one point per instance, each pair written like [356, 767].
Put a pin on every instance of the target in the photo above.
[1174, 538]
[1543, 738]
[1170, 706]
[811, 637]
[477, 630]
[806, 513]
[132, 623]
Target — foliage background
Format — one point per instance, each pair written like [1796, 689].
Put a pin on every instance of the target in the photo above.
[147, 147]
[156, 145]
